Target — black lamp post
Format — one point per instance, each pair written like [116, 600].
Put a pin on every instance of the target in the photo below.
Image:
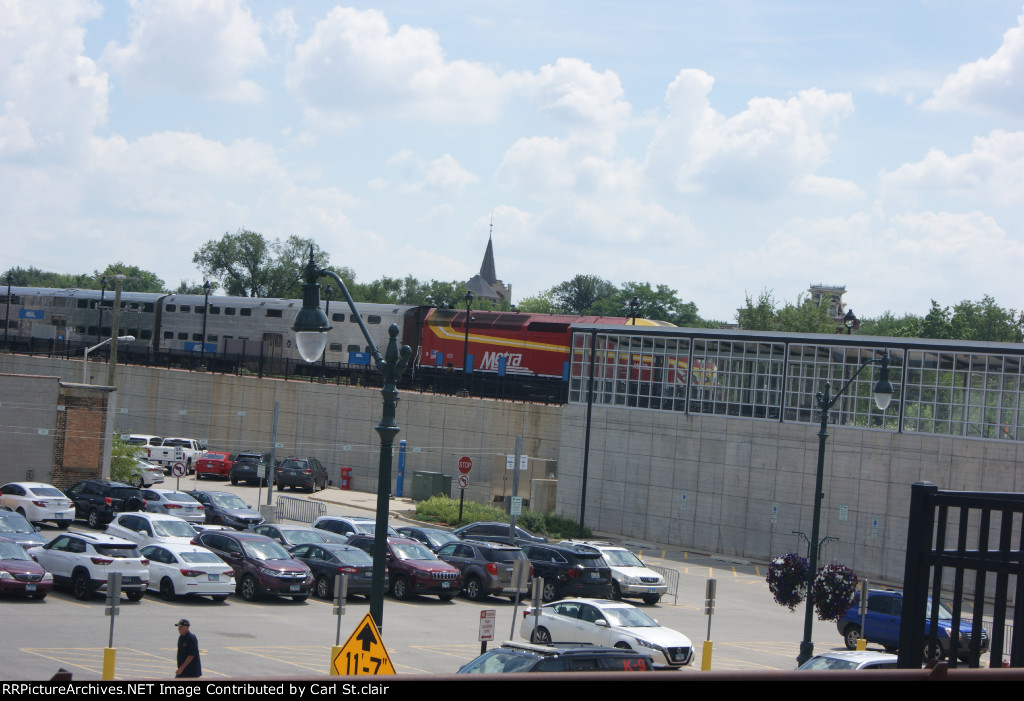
[206, 312]
[99, 323]
[883, 395]
[310, 327]
[465, 343]
[7, 313]
[634, 307]
[849, 321]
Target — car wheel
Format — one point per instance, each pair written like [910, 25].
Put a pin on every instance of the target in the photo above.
[473, 589]
[541, 636]
[136, 481]
[550, 590]
[22, 512]
[167, 589]
[93, 519]
[249, 588]
[652, 599]
[81, 585]
[135, 595]
[616, 592]
[933, 651]
[622, 645]
[400, 589]
[234, 481]
[851, 636]
[219, 597]
[63, 524]
[299, 599]
[323, 588]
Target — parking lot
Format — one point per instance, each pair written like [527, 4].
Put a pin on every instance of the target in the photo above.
[279, 637]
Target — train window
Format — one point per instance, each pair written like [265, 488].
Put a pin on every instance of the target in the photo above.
[108, 303]
[170, 308]
[275, 313]
[186, 308]
[83, 304]
[214, 310]
[145, 334]
[148, 307]
[92, 331]
[353, 348]
[200, 310]
[245, 311]
[373, 319]
[336, 347]
[60, 302]
[15, 299]
[79, 329]
[105, 331]
[212, 338]
[197, 337]
[133, 305]
[229, 311]
[134, 332]
[168, 334]
[337, 317]
[182, 336]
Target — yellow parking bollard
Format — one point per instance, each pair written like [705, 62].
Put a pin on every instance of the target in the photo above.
[109, 660]
[862, 645]
[705, 658]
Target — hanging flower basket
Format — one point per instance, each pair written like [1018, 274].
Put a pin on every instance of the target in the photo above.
[787, 579]
[834, 587]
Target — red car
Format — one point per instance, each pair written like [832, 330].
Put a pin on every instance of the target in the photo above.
[20, 574]
[414, 569]
[214, 465]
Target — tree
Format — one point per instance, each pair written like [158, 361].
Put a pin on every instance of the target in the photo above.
[579, 295]
[806, 316]
[906, 326]
[541, 304]
[123, 460]
[985, 321]
[135, 278]
[761, 315]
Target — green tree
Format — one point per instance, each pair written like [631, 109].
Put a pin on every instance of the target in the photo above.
[761, 315]
[541, 304]
[581, 294]
[985, 321]
[135, 278]
[806, 316]
[906, 326]
[123, 461]
[936, 322]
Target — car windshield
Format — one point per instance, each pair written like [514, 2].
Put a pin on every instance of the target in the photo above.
[498, 661]
[13, 551]
[622, 558]
[411, 551]
[828, 663]
[123, 492]
[14, 523]
[45, 491]
[265, 550]
[198, 557]
[173, 529]
[228, 501]
[304, 536]
[629, 618]
[439, 538]
[507, 555]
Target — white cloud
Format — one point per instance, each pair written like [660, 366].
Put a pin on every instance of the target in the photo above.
[444, 175]
[52, 95]
[575, 93]
[995, 83]
[765, 149]
[829, 188]
[191, 47]
[992, 173]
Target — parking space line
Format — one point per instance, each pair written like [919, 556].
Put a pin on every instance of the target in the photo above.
[308, 654]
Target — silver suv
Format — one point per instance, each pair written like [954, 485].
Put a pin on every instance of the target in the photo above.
[486, 567]
[631, 578]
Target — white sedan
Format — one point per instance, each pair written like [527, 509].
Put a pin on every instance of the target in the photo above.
[606, 623]
[146, 528]
[177, 570]
[38, 502]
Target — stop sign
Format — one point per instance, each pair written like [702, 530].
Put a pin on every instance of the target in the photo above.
[465, 465]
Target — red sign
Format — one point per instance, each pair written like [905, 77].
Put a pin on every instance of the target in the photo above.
[465, 465]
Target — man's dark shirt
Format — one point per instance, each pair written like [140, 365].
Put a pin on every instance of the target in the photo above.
[188, 644]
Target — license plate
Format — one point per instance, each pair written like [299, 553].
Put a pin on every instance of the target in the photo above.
[214, 577]
[30, 587]
[595, 575]
[444, 585]
[296, 587]
[188, 509]
[652, 590]
[58, 515]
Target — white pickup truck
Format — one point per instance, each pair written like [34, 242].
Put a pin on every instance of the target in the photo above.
[172, 450]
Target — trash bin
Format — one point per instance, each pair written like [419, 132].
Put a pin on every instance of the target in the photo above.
[346, 478]
[427, 484]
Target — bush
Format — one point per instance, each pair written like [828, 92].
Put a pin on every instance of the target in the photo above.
[445, 510]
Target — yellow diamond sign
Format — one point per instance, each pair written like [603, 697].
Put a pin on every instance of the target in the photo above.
[363, 653]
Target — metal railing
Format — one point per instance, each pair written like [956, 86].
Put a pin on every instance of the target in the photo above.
[302, 510]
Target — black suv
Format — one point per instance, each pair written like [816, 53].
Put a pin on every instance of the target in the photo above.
[497, 532]
[486, 567]
[570, 571]
[98, 501]
[251, 467]
[523, 657]
[308, 473]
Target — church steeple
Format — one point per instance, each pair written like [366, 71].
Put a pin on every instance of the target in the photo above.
[486, 285]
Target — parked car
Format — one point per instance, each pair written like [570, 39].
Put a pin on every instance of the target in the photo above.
[486, 567]
[882, 626]
[414, 569]
[227, 509]
[349, 525]
[98, 501]
[145, 528]
[631, 578]
[16, 527]
[83, 561]
[497, 532]
[174, 503]
[433, 538]
[175, 450]
[290, 535]
[846, 659]
[147, 474]
[38, 502]
[182, 570]
[306, 473]
[522, 657]
[214, 464]
[250, 467]
[20, 574]
[577, 570]
[607, 623]
[262, 566]
[328, 560]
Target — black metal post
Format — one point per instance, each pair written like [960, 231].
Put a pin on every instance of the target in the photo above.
[206, 312]
[465, 343]
[99, 323]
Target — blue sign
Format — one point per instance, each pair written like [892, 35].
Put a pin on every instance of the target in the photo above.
[197, 347]
[501, 366]
[469, 364]
[30, 314]
[358, 358]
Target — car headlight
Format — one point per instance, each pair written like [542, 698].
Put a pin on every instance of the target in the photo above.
[47, 577]
[270, 572]
[6, 575]
[653, 646]
[626, 579]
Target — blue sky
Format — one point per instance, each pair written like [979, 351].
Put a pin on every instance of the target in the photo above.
[720, 148]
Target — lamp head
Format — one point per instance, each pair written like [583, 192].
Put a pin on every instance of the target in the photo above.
[883, 388]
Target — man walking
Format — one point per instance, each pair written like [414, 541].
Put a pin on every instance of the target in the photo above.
[188, 652]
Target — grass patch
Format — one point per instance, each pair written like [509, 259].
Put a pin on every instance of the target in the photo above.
[445, 510]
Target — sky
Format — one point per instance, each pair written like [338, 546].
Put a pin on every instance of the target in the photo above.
[721, 148]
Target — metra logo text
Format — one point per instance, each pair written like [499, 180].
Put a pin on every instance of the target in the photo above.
[490, 361]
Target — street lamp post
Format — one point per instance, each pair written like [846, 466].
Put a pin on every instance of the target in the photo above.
[310, 327]
[87, 351]
[99, 322]
[825, 400]
[849, 321]
[465, 343]
[634, 307]
[206, 312]
[328, 293]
